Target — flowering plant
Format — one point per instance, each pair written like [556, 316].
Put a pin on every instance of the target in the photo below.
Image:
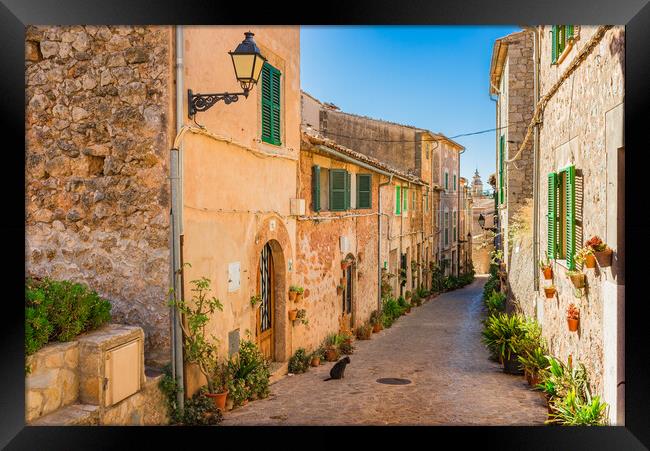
[596, 244]
[581, 255]
[572, 312]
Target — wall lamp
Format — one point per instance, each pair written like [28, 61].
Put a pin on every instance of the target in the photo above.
[247, 62]
[481, 222]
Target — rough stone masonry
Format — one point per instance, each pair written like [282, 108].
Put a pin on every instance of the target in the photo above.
[97, 198]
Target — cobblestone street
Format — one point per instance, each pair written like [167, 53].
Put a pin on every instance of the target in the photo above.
[438, 347]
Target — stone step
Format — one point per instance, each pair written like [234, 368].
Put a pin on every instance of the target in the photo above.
[72, 415]
[278, 371]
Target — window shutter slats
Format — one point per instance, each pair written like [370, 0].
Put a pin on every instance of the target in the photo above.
[315, 184]
[364, 193]
[551, 216]
[570, 216]
[348, 183]
[275, 98]
[337, 189]
[398, 200]
[271, 95]
[501, 150]
[569, 32]
[554, 44]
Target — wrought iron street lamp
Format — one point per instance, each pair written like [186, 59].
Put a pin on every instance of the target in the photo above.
[247, 61]
[481, 222]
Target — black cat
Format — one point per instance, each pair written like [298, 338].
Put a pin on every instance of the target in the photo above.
[338, 370]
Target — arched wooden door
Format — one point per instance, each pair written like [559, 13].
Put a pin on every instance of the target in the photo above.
[346, 320]
[265, 314]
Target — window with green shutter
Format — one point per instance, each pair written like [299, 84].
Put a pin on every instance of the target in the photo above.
[271, 87]
[364, 191]
[405, 198]
[446, 181]
[413, 200]
[338, 189]
[398, 200]
[315, 188]
[561, 36]
[569, 232]
[348, 183]
[455, 182]
[551, 249]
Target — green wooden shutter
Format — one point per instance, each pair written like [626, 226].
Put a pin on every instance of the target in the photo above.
[501, 177]
[364, 193]
[337, 189]
[315, 188]
[405, 199]
[570, 202]
[267, 117]
[275, 82]
[271, 120]
[554, 44]
[446, 180]
[398, 200]
[569, 32]
[551, 215]
[348, 183]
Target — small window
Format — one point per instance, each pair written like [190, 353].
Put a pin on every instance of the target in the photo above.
[446, 180]
[455, 183]
[364, 190]
[561, 216]
[338, 189]
[405, 199]
[561, 38]
[398, 200]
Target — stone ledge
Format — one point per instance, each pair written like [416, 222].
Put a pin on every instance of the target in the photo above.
[75, 414]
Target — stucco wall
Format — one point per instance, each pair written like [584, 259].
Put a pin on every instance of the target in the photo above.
[234, 199]
[98, 137]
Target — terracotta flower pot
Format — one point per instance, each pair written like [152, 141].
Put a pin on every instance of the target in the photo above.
[548, 273]
[331, 355]
[299, 297]
[344, 265]
[590, 261]
[408, 310]
[573, 324]
[292, 295]
[511, 365]
[376, 328]
[578, 280]
[293, 314]
[550, 293]
[219, 399]
[315, 361]
[604, 258]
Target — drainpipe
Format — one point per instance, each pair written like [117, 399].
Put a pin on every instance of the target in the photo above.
[379, 211]
[176, 222]
[496, 146]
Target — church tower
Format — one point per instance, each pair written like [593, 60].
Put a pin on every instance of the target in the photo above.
[477, 185]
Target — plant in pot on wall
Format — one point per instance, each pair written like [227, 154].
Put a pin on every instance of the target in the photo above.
[345, 263]
[297, 291]
[573, 317]
[602, 252]
[577, 278]
[199, 349]
[549, 291]
[546, 268]
[302, 316]
[585, 256]
[255, 300]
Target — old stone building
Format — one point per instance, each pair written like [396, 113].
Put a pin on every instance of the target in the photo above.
[99, 126]
[578, 150]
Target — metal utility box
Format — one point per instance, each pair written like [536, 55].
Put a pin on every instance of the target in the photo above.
[123, 371]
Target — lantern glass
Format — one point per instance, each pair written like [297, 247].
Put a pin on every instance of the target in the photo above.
[247, 62]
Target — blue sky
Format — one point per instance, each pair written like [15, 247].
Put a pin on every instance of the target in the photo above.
[433, 77]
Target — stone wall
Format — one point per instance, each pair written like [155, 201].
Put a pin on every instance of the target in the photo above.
[98, 134]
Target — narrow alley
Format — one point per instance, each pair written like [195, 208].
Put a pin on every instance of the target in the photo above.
[438, 348]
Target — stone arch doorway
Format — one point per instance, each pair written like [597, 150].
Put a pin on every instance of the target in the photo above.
[348, 301]
[270, 317]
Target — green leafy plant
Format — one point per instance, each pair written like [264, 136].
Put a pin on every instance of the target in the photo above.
[299, 362]
[199, 349]
[346, 347]
[255, 300]
[302, 317]
[403, 304]
[502, 334]
[296, 288]
[59, 311]
[364, 331]
[250, 372]
[391, 311]
[375, 317]
[534, 361]
[495, 303]
[571, 410]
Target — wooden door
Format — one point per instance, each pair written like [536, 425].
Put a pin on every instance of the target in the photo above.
[347, 300]
[265, 314]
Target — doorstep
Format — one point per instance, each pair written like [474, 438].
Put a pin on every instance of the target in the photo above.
[72, 415]
[278, 371]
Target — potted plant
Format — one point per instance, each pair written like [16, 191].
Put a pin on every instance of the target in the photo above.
[296, 292]
[316, 356]
[407, 295]
[339, 289]
[255, 300]
[577, 278]
[332, 343]
[302, 316]
[547, 269]
[503, 334]
[364, 331]
[376, 321]
[549, 291]
[601, 251]
[199, 349]
[573, 317]
[585, 256]
[221, 380]
[345, 263]
[293, 314]
[534, 361]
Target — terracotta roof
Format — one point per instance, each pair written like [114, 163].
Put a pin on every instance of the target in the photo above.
[313, 137]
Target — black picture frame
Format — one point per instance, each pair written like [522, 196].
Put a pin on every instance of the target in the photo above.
[15, 14]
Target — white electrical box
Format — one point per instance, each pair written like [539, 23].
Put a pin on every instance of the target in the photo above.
[345, 244]
[298, 207]
[233, 276]
[123, 371]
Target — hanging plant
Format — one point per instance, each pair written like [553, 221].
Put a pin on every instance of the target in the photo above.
[255, 300]
[573, 317]
[601, 251]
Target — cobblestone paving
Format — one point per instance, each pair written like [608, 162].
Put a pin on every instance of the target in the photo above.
[438, 347]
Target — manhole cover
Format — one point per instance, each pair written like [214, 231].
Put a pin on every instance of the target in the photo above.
[393, 381]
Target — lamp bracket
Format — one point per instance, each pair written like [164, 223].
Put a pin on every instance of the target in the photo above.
[202, 102]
